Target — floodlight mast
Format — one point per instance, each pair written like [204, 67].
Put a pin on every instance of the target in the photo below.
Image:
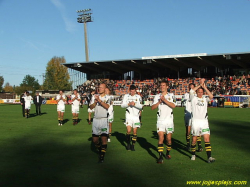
[84, 16]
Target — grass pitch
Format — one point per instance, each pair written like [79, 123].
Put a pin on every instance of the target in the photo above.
[38, 152]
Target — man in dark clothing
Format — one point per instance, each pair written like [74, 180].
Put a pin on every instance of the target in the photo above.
[38, 102]
[22, 104]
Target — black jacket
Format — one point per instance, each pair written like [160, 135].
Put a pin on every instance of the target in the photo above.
[35, 100]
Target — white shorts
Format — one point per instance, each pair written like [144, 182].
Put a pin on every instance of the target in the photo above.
[199, 127]
[75, 109]
[133, 122]
[100, 126]
[187, 120]
[27, 107]
[60, 108]
[91, 111]
[166, 125]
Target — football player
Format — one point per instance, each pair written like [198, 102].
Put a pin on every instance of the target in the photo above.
[165, 102]
[100, 127]
[200, 126]
[132, 103]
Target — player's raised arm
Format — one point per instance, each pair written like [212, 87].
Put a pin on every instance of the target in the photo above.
[210, 95]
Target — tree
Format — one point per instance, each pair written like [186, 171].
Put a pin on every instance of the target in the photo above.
[1, 83]
[29, 83]
[8, 87]
[57, 76]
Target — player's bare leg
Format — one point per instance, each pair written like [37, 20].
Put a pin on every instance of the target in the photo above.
[59, 117]
[208, 148]
[128, 138]
[160, 147]
[193, 147]
[89, 118]
[77, 120]
[169, 145]
[110, 131]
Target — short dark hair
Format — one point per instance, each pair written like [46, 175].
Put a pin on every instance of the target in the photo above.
[164, 82]
[200, 88]
[191, 85]
[132, 87]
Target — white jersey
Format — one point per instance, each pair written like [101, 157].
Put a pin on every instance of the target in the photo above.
[199, 105]
[132, 111]
[164, 111]
[100, 111]
[76, 102]
[60, 102]
[27, 100]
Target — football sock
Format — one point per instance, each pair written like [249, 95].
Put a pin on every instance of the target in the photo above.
[109, 135]
[193, 149]
[168, 148]
[199, 141]
[134, 138]
[103, 151]
[208, 149]
[160, 149]
[188, 139]
[59, 120]
[98, 145]
[128, 138]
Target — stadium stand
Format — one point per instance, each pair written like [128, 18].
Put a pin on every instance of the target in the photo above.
[226, 85]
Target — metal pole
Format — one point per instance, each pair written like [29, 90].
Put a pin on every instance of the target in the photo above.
[86, 42]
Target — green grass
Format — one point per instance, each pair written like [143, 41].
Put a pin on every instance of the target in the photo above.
[37, 152]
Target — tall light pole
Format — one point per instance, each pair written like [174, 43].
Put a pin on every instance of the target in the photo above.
[84, 16]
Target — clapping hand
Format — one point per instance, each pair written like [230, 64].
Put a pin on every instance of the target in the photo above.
[162, 98]
[97, 99]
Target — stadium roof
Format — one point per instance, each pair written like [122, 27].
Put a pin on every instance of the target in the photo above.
[173, 62]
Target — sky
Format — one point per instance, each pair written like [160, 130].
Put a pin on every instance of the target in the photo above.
[34, 31]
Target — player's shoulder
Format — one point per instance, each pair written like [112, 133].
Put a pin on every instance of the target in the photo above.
[126, 95]
[170, 94]
[137, 95]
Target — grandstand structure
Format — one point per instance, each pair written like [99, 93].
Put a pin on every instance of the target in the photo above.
[173, 66]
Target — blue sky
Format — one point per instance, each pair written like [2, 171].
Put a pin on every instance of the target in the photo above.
[32, 31]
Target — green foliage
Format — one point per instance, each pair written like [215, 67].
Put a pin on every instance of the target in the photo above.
[8, 87]
[29, 83]
[57, 76]
[1, 83]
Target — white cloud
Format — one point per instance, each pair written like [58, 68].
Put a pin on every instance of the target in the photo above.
[70, 25]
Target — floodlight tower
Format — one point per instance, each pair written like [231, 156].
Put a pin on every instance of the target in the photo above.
[84, 16]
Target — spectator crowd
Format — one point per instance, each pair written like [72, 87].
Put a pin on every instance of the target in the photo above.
[226, 85]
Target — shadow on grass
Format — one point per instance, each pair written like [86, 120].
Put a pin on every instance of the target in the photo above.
[53, 163]
[120, 137]
[147, 146]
